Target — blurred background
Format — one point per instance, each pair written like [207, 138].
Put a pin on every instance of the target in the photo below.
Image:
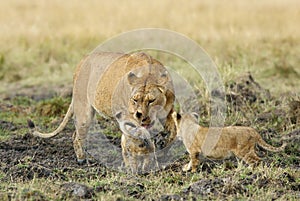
[43, 41]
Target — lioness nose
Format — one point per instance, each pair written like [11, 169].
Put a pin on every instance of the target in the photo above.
[145, 119]
[138, 115]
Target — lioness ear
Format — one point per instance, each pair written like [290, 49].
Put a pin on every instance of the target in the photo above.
[178, 116]
[195, 115]
[118, 115]
[131, 78]
[163, 79]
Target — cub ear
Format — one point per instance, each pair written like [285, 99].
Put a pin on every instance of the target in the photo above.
[176, 116]
[129, 126]
[132, 78]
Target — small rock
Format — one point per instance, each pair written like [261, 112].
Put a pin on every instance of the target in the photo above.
[174, 197]
[77, 190]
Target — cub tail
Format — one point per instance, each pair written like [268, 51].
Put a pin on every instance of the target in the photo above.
[268, 147]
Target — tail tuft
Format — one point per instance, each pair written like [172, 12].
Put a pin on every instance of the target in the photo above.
[30, 124]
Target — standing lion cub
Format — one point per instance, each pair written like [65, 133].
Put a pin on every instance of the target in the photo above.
[236, 140]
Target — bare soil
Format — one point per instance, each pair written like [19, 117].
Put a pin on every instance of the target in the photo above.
[24, 157]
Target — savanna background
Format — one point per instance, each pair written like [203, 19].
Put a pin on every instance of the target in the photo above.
[254, 44]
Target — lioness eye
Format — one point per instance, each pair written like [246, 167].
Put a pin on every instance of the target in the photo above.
[151, 101]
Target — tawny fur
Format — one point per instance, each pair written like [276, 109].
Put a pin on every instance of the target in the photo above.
[236, 140]
[110, 82]
[138, 149]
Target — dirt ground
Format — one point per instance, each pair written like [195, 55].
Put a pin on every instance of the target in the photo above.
[24, 157]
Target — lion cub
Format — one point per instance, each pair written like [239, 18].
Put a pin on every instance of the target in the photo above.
[236, 140]
[138, 150]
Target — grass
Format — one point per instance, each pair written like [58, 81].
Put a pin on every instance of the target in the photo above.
[42, 42]
[267, 181]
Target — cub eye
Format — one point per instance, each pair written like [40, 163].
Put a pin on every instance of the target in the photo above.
[134, 100]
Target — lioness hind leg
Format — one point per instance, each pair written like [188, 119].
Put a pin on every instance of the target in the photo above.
[82, 125]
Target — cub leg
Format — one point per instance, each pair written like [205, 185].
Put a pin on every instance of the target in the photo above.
[187, 166]
[134, 164]
[146, 162]
[194, 161]
[248, 155]
[125, 157]
[251, 158]
[83, 120]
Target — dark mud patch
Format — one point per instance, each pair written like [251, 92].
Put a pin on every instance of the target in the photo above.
[26, 157]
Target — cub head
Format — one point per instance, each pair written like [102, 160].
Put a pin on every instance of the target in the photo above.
[130, 127]
[185, 121]
[150, 99]
[136, 136]
[176, 118]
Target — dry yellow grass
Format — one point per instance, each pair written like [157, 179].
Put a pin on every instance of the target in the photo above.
[240, 35]
[198, 19]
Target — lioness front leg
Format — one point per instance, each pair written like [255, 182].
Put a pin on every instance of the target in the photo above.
[83, 119]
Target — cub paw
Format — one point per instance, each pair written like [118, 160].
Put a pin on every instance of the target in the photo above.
[186, 167]
[81, 161]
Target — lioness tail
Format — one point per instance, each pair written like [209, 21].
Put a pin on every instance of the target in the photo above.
[60, 127]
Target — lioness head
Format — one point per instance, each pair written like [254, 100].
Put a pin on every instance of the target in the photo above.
[150, 98]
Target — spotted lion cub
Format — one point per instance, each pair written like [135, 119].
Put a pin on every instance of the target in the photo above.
[236, 140]
[138, 149]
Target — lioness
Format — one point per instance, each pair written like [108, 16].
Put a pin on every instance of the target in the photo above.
[109, 82]
[137, 146]
[236, 140]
